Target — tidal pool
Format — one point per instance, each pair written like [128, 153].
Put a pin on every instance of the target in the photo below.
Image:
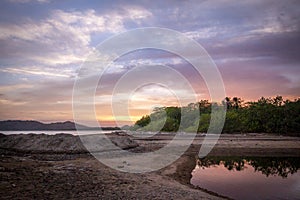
[249, 177]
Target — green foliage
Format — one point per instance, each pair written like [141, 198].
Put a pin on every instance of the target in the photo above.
[272, 116]
[144, 121]
[266, 115]
[204, 122]
[232, 122]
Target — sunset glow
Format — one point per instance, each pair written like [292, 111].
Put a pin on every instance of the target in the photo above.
[255, 45]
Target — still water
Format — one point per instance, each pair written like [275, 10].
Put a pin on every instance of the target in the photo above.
[249, 178]
[82, 132]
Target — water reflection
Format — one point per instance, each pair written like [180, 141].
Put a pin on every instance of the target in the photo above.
[266, 165]
[249, 177]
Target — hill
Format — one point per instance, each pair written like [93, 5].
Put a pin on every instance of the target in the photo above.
[30, 125]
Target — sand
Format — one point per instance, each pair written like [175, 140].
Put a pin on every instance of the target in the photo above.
[61, 168]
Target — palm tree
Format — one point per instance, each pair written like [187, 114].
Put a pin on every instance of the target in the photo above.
[237, 102]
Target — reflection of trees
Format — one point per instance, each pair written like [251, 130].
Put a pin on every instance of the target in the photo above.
[266, 165]
[238, 165]
[231, 163]
[282, 167]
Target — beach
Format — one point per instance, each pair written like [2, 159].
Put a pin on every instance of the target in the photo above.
[59, 167]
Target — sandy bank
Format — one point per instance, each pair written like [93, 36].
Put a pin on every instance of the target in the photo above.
[40, 166]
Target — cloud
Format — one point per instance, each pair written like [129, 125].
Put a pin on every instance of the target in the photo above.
[63, 37]
[29, 1]
[77, 25]
[254, 43]
[7, 88]
[204, 33]
[6, 102]
[36, 71]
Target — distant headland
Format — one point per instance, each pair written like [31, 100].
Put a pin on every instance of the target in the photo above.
[31, 125]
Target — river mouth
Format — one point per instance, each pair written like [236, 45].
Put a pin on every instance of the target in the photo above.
[249, 177]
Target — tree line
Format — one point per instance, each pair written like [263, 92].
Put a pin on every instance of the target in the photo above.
[266, 115]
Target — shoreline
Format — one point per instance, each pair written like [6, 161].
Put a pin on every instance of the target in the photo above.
[172, 181]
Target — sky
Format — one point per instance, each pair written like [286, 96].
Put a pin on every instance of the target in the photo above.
[44, 43]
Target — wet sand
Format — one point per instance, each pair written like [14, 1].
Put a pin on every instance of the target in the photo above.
[27, 173]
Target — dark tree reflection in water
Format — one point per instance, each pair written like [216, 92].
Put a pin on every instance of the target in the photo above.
[280, 166]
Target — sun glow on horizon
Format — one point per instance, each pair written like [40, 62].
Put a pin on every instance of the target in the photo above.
[43, 46]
